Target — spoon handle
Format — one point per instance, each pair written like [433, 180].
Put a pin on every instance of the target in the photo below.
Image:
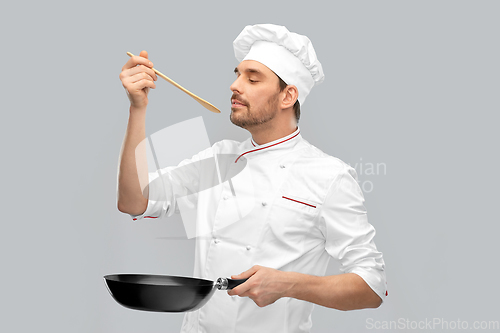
[200, 100]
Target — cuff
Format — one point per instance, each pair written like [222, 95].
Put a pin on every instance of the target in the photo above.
[153, 209]
[375, 279]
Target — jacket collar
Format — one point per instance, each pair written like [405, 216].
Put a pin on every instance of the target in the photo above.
[286, 142]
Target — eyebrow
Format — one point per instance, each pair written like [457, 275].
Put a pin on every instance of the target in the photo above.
[250, 70]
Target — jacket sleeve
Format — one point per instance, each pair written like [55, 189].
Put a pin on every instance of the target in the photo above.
[167, 185]
[349, 236]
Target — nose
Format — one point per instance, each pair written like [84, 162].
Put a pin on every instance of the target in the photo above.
[235, 86]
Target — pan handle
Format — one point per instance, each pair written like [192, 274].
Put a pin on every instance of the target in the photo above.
[228, 284]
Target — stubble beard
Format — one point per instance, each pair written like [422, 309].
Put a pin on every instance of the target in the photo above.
[251, 118]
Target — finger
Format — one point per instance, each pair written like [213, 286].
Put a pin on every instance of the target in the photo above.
[141, 84]
[139, 69]
[138, 77]
[144, 54]
[137, 60]
[241, 289]
[246, 273]
[247, 293]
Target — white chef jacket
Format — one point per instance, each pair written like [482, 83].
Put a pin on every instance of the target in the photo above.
[303, 207]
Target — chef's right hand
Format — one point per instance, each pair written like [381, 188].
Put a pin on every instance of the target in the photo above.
[137, 77]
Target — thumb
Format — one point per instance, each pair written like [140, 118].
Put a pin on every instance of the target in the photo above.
[246, 273]
[144, 54]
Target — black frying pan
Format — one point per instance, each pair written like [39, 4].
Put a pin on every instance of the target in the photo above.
[164, 293]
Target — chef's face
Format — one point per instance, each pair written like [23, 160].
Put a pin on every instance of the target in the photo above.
[256, 95]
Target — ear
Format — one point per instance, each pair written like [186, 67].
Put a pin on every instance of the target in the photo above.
[290, 97]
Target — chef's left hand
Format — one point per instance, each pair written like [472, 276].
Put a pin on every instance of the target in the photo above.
[264, 286]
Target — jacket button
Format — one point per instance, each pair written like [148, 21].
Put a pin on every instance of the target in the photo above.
[216, 241]
[248, 247]
[264, 203]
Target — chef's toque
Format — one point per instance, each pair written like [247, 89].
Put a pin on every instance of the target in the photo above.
[289, 55]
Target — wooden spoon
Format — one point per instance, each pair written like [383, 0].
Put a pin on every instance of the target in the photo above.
[198, 99]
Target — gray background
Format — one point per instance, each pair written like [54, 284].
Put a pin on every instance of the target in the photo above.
[411, 84]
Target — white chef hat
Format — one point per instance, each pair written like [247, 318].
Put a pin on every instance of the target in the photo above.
[291, 56]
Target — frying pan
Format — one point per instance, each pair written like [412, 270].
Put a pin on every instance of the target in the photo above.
[164, 293]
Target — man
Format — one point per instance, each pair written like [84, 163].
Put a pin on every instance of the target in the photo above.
[307, 206]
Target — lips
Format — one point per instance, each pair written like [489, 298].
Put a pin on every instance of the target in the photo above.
[236, 103]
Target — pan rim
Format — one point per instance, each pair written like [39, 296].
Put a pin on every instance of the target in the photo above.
[116, 278]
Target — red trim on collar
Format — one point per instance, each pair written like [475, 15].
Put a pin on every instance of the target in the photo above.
[148, 217]
[277, 143]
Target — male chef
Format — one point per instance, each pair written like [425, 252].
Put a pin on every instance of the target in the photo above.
[306, 205]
